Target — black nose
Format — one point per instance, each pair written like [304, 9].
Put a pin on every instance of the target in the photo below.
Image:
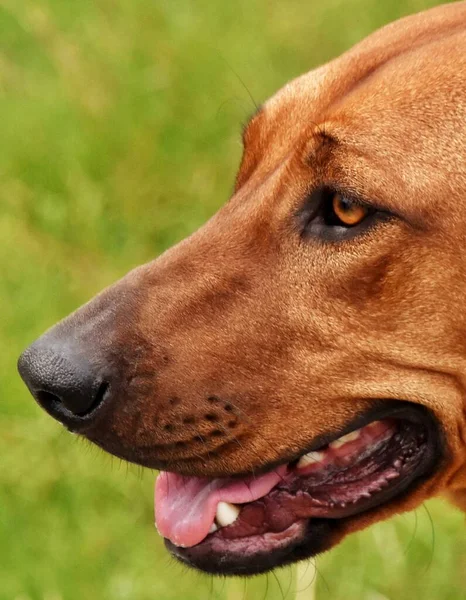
[61, 379]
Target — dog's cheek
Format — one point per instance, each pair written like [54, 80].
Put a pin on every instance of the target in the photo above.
[371, 274]
[366, 284]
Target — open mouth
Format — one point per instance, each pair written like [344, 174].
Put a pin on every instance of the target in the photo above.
[252, 524]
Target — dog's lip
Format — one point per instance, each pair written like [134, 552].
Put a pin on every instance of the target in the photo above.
[189, 508]
[381, 409]
[297, 542]
[200, 557]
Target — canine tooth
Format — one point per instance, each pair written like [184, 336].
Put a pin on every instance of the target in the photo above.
[213, 528]
[226, 513]
[310, 459]
[349, 437]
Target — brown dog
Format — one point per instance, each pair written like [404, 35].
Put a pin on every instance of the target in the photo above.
[297, 367]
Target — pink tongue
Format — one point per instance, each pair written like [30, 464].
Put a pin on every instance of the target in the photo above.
[185, 506]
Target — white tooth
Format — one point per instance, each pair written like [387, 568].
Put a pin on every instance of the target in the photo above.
[336, 444]
[354, 435]
[349, 437]
[213, 528]
[309, 459]
[226, 513]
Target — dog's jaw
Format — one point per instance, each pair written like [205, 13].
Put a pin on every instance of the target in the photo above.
[275, 517]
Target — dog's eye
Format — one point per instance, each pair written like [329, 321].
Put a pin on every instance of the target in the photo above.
[333, 216]
[343, 211]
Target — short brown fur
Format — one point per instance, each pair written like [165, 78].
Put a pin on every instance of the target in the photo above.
[245, 342]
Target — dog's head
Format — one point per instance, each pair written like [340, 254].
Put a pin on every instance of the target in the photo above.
[297, 366]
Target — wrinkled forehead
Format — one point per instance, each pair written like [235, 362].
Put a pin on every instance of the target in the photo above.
[412, 107]
[395, 120]
[425, 84]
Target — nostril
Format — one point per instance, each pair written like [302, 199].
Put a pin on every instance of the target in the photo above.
[99, 397]
[47, 399]
[52, 402]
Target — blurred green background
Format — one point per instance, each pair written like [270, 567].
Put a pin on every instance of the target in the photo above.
[120, 134]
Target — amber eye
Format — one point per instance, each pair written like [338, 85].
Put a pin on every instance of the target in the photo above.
[334, 216]
[347, 212]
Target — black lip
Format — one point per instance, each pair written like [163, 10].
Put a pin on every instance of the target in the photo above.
[320, 534]
[316, 538]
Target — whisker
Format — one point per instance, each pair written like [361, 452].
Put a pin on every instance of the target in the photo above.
[266, 587]
[413, 535]
[279, 584]
[248, 91]
[310, 585]
[432, 528]
[290, 582]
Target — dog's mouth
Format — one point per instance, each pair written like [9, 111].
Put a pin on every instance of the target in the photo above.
[249, 525]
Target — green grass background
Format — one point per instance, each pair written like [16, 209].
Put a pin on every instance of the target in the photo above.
[120, 134]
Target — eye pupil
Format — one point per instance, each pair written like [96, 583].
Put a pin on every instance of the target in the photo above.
[347, 212]
[342, 203]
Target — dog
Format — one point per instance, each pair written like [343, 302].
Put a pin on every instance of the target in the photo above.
[296, 368]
